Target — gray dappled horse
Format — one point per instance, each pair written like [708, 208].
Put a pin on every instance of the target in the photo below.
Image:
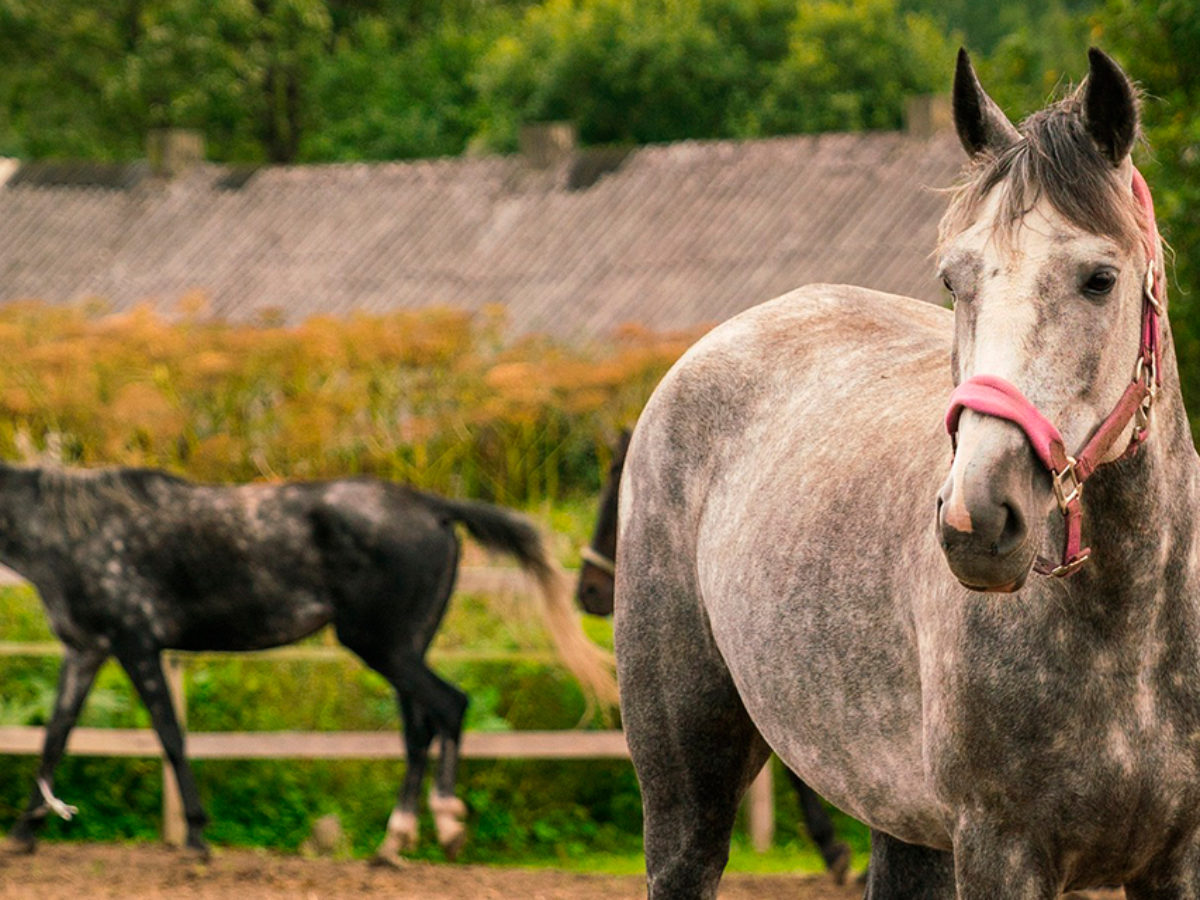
[131, 562]
[594, 593]
[785, 582]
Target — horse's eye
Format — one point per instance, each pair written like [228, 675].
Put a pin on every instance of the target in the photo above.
[949, 289]
[1100, 282]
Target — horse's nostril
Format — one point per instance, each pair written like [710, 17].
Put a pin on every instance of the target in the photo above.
[1013, 533]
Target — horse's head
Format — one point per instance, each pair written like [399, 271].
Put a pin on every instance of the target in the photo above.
[1044, 250]
[596, 576]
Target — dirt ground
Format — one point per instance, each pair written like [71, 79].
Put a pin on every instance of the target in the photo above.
[147, 872]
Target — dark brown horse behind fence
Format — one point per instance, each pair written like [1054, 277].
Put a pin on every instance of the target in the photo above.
[132, 562]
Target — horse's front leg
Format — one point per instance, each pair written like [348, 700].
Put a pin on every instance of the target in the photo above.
[991, 862]
[835, 853]
[75, 678]
[145, 671]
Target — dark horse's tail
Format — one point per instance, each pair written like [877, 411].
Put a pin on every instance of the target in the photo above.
[507, 532]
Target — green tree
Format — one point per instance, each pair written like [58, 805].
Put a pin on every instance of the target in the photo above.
[382, 93]
[237, 69]
[626, 71]
[57, 61]
[850, 66]
[1035, 61]
[986, 25]
[1157, 42]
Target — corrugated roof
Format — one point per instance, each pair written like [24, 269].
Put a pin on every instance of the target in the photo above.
[676, 235]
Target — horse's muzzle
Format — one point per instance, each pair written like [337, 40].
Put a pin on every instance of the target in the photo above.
[595, 591]
[983, 519]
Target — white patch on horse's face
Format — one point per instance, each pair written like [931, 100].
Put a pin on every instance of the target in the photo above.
[1021, 314]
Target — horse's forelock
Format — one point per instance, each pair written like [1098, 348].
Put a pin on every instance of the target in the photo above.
[1056, 159]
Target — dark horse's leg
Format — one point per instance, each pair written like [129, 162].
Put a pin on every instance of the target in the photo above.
[145, 671]
[834, 852]
[75, 678]
[429, 707]
[900, 871]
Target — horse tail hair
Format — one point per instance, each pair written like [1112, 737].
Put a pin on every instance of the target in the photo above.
[510, 533]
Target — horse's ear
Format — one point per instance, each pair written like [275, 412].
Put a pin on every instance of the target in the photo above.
[981, 124]
[622, 445]
[1110, 107]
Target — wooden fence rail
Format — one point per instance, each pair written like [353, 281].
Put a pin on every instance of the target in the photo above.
[570, 744]
[556, 745]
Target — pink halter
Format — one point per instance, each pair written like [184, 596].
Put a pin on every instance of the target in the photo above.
[993, 396]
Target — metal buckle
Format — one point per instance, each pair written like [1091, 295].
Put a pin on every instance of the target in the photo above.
[1070, 568]
[1060, 480]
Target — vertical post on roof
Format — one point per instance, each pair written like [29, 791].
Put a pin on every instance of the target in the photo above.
[544, 145]
[926, 115]
[174, 825]
[761, 808]
[173, 151]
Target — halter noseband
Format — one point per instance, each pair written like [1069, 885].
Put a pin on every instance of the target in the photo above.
[599, 560]
[994, 396]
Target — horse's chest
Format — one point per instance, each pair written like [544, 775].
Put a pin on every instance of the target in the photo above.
[1103, 754]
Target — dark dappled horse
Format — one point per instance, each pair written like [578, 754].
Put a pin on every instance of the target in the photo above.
[594, 593]
[798, 573]
[130, 562]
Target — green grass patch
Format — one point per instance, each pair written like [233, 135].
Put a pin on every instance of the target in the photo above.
[583, 815]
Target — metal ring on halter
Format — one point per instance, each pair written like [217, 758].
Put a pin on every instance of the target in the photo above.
[599, 560]
[1148, 290]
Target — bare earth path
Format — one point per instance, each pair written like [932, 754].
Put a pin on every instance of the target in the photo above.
[78, 871]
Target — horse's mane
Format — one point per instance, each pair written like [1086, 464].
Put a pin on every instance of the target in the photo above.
[82, 497]
[1055, 158]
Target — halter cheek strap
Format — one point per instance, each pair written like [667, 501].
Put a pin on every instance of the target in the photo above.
[994, 396]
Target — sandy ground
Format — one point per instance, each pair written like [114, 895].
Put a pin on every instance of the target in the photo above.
[76, 871]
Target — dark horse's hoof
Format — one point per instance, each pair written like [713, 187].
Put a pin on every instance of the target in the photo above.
[197, 852]
[385, 860]
[839, 863]
[20, 845]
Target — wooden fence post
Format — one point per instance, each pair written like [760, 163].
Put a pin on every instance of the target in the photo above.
[761, 811]
[174, 825]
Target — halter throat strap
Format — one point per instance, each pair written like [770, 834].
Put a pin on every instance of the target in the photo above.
[991, 395]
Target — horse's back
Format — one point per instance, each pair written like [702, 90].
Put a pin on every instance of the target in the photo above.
[806, 374]
[751, 523]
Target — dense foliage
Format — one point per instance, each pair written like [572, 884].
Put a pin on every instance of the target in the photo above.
[296, 80]
[430, 398]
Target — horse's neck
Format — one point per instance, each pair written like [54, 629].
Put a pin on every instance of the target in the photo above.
[1140, 515]
[24, 535]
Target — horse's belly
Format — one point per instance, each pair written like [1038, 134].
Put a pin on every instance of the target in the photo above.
[860, 750]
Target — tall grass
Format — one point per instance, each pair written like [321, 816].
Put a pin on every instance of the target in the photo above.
[433, 398]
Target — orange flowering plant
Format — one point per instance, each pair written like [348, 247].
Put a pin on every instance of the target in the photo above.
[433, 397]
